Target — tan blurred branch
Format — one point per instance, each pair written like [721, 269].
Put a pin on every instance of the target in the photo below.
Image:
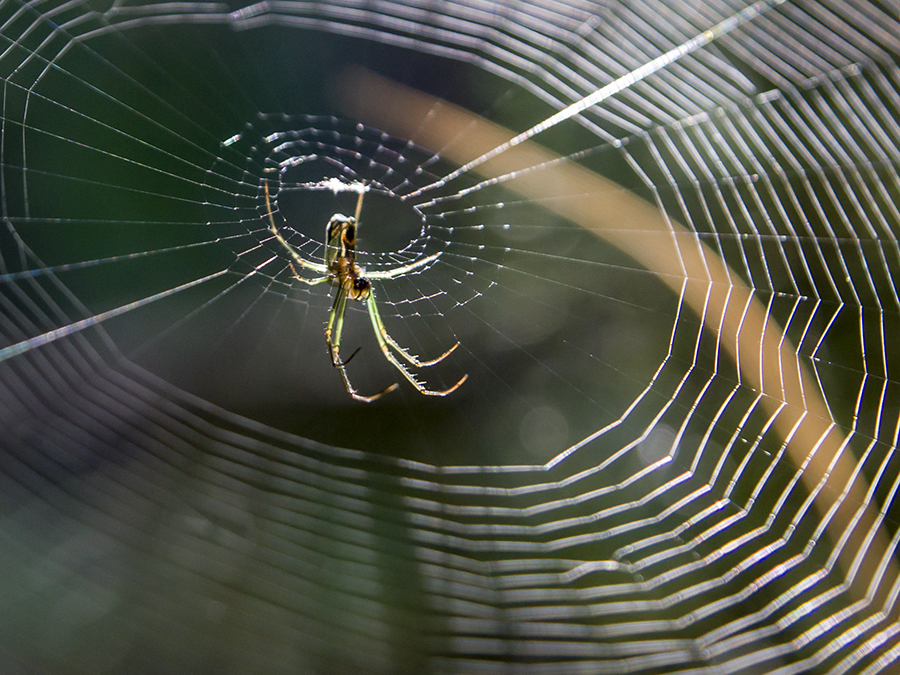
[766, 359]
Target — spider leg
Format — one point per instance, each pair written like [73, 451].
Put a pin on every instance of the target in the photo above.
[386, 341]
[315, 267]
[359, 205]
[333, 337]
[405, 269]
[310, 282]
[379, 328]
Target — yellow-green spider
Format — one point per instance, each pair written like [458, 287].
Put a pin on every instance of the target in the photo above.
[351, 281]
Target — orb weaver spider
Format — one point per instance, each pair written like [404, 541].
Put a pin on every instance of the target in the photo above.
[351, 281]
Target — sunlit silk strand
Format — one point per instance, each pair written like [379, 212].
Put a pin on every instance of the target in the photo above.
[657, 64]
[53, 335]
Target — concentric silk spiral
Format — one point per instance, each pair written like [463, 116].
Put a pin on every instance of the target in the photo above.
[663, 236]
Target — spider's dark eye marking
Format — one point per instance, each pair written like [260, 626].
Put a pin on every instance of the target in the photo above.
[362, 284]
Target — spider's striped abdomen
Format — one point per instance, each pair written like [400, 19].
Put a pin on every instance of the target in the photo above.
[340, 235]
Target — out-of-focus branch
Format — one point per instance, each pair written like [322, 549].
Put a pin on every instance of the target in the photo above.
[766, 359]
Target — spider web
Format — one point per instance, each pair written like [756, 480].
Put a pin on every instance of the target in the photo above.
[668, 253]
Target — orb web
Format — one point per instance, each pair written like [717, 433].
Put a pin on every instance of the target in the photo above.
[668, 252]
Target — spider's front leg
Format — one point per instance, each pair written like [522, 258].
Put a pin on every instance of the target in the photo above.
[315, 267]
[333, 337]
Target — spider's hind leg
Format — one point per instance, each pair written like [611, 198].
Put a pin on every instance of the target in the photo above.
[336, 359]
[386, 342]
[333, 337]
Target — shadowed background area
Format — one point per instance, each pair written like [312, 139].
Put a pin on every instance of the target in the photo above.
[675, 305]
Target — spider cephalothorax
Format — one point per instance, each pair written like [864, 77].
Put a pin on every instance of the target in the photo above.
[351, 281]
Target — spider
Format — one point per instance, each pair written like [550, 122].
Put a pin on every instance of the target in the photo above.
[341, 271]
